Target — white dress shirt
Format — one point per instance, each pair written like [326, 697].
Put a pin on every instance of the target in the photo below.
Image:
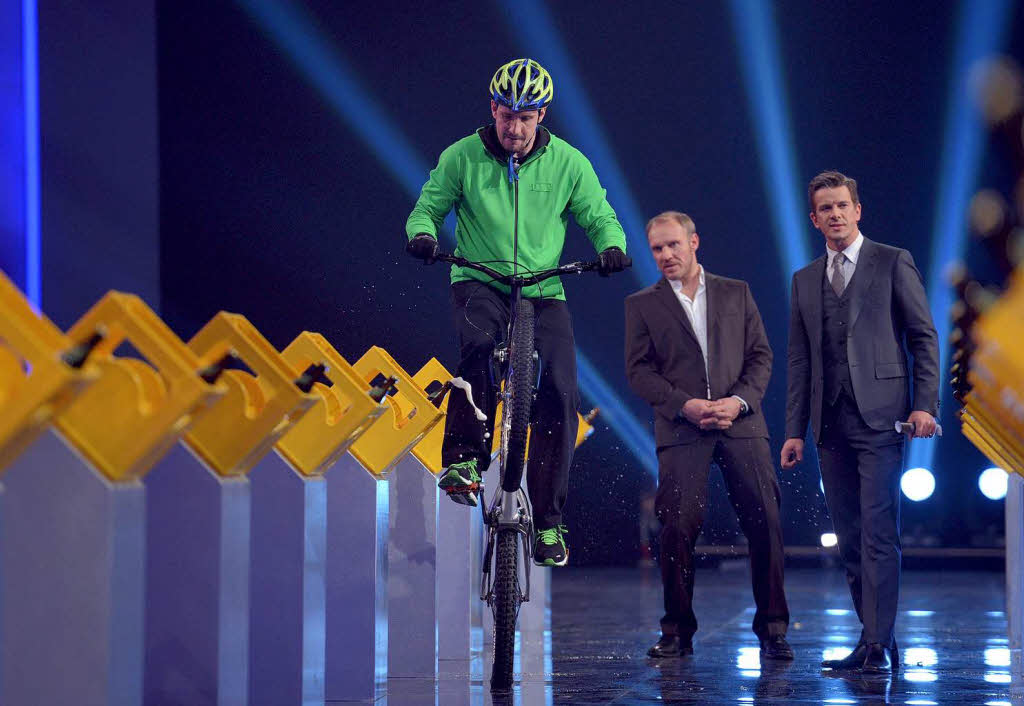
[697, 312]
[852, 252]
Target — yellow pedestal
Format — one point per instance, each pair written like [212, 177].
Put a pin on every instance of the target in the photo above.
[409, 418]
[35, 383]
[257, 409]
[137, 409]
[341, 414]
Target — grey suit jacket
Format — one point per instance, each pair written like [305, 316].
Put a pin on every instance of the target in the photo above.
[888, 308]
[665, 365]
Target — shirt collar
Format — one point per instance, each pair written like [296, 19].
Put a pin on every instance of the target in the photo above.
[852, 252]
[677, 284]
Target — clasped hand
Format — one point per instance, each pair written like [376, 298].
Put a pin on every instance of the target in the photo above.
[712, 414]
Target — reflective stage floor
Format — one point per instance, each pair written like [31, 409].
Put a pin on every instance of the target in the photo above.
[951, 630]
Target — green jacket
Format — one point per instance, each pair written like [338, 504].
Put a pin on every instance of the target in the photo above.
[554, 180]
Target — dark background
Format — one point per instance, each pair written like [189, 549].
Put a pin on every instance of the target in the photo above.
[273, 204]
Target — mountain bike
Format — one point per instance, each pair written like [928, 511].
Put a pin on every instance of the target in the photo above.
[505, 583]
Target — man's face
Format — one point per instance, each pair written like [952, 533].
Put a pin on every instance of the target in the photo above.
[674, 249]
[516, 130]
[835, 215]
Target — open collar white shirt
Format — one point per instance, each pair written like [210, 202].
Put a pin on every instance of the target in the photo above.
[697, 312]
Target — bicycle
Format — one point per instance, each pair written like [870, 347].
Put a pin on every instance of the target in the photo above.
[509, 517]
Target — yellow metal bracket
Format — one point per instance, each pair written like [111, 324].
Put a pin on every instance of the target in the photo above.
[994, 407]
[586, 427]
[428, 451]
[583, 431]
[35, 381]
[257, 409]
[137, 409]
[410, 416]
[342, 412]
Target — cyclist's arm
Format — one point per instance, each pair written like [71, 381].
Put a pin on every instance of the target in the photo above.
[589, 205]
[442, 190]
[643, 375]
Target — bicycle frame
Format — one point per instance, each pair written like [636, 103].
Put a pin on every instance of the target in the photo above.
[505, 580]
[510, 509]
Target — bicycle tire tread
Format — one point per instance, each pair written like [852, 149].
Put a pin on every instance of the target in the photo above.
[521, 381]
[506, 608]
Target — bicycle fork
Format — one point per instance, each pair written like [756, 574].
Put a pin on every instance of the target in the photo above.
[508, 512]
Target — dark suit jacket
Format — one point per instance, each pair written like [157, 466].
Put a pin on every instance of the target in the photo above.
[665, 366]
[888, 305]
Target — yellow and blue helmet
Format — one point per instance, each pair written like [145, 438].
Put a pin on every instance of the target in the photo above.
[522, 84]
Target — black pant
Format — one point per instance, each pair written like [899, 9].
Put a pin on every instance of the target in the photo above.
[481, 320]
[749, 475]
[860, 469]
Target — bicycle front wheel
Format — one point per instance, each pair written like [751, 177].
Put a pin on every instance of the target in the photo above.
[519, 383]
[506, 607]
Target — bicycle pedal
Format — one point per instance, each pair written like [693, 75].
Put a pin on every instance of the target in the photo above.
[463, 495]
[455, 489]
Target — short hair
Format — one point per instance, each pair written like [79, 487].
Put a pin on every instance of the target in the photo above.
[675, 216]
[831, 180]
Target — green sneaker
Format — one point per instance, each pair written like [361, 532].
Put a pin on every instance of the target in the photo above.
[461, 482]
[550, 549]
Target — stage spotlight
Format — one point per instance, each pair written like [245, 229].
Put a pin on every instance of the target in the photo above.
[997, 656]
[918, 484]
[992, 483]
[998, 678]
[829, 539]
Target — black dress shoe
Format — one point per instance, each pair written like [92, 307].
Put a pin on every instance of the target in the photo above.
[854, 660]
[670, 646]
[776, 647]
[878, 660]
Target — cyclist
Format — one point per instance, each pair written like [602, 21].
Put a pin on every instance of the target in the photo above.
[477, 177]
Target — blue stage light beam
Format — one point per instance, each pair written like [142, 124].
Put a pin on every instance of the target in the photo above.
[634, 435]
[312, 53]
[33, 235]
[535, 29]
[19, 147]
[319, 61]
[981, 30]
[758, 46]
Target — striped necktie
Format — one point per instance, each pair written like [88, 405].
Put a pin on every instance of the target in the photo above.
[838, 279]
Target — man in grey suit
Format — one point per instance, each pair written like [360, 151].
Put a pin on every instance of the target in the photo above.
[851, 313]
[697, 352]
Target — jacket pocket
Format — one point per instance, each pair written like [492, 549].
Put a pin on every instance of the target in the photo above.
[890, 370]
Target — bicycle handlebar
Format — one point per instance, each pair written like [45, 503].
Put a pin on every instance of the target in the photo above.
[573, 268]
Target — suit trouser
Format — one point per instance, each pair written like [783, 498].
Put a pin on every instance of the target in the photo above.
[860, 469]
[481, 320]
[753, 488]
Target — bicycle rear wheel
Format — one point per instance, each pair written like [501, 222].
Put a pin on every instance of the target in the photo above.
[506, 608]
[519, 384]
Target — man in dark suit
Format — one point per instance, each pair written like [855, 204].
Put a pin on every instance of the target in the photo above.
[696, 350]
[851, 312]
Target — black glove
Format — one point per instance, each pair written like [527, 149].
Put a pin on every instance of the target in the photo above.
[613, 260]
[423, 247]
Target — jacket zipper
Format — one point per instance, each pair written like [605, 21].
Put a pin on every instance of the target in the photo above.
[513, 175]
